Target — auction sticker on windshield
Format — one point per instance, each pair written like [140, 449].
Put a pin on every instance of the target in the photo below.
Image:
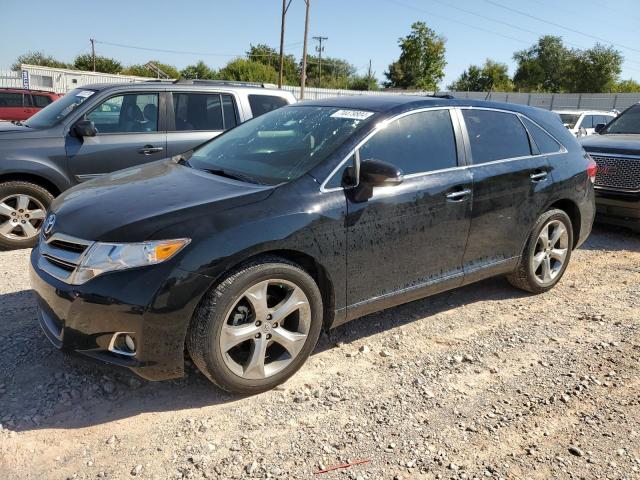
[352, 114]
[85, 93]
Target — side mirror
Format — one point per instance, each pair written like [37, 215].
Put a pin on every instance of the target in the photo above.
[377, 173]
[85, 128]
[600, 127]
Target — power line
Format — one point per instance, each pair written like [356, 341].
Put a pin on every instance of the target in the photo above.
[517, 27]
[525, 14]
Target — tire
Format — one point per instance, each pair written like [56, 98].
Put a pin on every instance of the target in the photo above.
[39, 200]
[530, 278]
[233, 310]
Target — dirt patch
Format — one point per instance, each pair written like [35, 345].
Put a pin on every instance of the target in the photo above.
[480, 382]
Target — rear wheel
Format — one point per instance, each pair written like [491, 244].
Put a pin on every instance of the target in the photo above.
[257, 327]
[23, 207]
[546, 254]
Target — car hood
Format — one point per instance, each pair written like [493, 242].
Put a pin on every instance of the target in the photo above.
[132, 204]
[622, 144]
[6, 127]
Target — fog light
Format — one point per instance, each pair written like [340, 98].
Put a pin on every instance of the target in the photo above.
[131, 345]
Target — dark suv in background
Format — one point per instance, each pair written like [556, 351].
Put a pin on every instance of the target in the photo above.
[302, 219]
[99, 129]
[616, 150]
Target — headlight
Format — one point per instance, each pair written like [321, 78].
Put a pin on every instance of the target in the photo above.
[109, 257]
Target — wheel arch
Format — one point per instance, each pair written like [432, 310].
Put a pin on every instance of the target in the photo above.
[573, 211]
[39, 180]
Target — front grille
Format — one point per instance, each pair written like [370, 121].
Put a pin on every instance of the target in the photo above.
[621, 173]
[60, 255]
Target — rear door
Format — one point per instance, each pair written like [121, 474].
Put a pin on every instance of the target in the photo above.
[195, 117]
[511, 185]
[131, 132]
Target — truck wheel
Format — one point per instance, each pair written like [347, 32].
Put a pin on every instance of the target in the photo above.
[546, 254]
[257, 327]
[23, 207]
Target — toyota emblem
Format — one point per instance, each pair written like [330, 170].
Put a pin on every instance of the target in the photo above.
[48, 226]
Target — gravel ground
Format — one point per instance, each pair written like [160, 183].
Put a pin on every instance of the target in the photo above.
[479, 382]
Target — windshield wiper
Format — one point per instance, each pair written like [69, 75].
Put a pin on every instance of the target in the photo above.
[19, 123]
[232, 175]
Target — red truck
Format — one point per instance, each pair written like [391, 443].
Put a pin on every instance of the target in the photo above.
[20, 104]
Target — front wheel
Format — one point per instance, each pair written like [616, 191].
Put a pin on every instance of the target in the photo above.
[546, 253]
[257, 327]
[23, 207]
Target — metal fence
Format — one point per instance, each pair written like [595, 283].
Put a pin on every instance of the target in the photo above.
[62, 80]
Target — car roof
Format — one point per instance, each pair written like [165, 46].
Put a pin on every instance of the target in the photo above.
[151, 84]
[387, 103]
[25, 90]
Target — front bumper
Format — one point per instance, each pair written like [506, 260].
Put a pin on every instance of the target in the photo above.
[618, 210]
[154, 304]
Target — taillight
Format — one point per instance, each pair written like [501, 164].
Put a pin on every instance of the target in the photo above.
[592, 169]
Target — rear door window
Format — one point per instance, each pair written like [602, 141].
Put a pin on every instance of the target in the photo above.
[416, 143]
[41, 101]
[10, 99]
[261, 104]
[495, 135]
[545, 142]
[203, 111]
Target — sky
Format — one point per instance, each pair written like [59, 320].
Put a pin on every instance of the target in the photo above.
[216, 31]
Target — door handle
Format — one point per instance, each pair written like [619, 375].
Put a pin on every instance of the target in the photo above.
[149, 149]
[458, 195]
[538, 176]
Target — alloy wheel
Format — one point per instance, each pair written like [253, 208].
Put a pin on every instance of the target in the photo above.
[265, 329]
[21, 217]
[550, 252]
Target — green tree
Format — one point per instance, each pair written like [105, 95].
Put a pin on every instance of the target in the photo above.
[103, 64]
[269, 56]
[330, 73]
[492, 76]
[363, 82]
[595, 70]
[245, 70]
[627, 86]
[422, 60]
[544, 67]
[141, 70]
[38, 58]
[200, 70]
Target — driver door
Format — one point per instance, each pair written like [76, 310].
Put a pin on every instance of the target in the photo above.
[130, 132]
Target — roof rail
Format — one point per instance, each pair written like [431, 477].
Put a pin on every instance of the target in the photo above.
[230, 83]
[448, 96]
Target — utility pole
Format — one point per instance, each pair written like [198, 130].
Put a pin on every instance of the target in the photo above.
[320, 49]
[369, 75]
[303, 75]
[93, 52]
[285, 7]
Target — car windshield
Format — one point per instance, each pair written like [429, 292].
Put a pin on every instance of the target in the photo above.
[569, 119]
[61, 108]
[628, 122]
[281, 145]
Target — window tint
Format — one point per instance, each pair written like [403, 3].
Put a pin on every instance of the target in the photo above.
[495, 135]
[627, 123]
[198, 111]
[587, 122]
[127, 113]
[416, 143]
[10, 100]
[544, 141]
[261, 104]
[41, 101]
[229, 112]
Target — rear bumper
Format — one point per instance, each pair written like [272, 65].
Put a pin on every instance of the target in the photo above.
[622, 211]
[154, 305]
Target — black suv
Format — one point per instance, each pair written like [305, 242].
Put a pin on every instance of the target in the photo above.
[302, 219]
[103, 128]
[616, 150]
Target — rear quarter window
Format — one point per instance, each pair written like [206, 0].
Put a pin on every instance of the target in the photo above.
[261, 104]
[545, 142]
